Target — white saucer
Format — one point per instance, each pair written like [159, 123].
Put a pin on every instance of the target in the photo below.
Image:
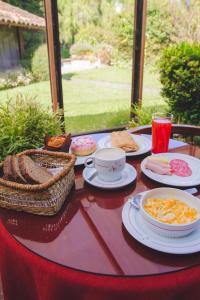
[136, 226]
[129, 174]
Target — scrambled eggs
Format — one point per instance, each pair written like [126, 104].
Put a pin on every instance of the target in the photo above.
[171, 211]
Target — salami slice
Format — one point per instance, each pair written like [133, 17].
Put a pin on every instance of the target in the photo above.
[179, 162]
[180, 167]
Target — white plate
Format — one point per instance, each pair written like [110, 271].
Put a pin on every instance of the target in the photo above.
[129, 174]
[174, 180]
[136, 226]
[80, 160]
[143, 143]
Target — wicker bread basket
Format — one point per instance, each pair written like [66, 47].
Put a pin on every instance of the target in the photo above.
[42, 199]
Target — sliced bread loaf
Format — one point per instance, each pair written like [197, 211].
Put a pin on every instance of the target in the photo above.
[7, 168]
[16, 171]
[32, 172]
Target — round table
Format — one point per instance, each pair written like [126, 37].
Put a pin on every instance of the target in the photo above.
[92, 253]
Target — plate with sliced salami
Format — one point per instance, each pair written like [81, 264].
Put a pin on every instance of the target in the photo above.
[174, 169]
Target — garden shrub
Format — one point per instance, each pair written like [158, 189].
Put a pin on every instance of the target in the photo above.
[40, 64]
[115, 30]
[16, 78]
[122, 29]
[65, 53]
[81, 49]
[104, 52]
[185, 20]
[159, 31]
[24, 123]
[180, 77]
[92, 34]
[143, 115]
[32, 40]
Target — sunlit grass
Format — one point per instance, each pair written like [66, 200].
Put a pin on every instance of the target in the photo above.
[91, 105]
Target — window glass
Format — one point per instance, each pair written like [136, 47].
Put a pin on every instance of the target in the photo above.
[24, 68]
[96, 39]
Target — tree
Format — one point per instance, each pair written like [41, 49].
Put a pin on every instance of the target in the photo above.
[67, 21]
[79, 14]
[33, 6]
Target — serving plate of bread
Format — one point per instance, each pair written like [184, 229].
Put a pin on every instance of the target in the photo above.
[132, 144]
[36, 181]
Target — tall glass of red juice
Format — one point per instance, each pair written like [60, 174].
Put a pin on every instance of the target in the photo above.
[161, 130]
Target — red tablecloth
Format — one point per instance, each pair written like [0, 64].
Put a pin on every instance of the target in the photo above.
[26, 276]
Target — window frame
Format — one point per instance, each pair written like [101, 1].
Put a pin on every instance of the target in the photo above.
[53, 43]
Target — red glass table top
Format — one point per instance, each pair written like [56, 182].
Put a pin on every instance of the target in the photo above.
[88, 234]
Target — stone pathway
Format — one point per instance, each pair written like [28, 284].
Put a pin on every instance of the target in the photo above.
[115, 85]
[106, 84]
[78, 65]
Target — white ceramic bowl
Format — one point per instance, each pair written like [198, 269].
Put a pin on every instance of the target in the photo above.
[170, 230]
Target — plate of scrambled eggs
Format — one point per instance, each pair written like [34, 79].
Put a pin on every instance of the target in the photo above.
[167, 220]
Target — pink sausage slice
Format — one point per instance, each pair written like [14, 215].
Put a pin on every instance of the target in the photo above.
[180, 168]
[178, 162]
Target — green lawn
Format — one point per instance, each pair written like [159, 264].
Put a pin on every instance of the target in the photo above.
[94, 99]
[119, 75]
[109, 74]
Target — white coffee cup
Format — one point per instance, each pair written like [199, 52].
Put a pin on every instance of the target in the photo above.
[109, 163]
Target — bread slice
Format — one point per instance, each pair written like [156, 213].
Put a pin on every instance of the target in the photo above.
[32, 172]
[7, 168]
[16, 171]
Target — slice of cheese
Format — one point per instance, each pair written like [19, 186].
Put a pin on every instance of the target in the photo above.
[161, 159]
